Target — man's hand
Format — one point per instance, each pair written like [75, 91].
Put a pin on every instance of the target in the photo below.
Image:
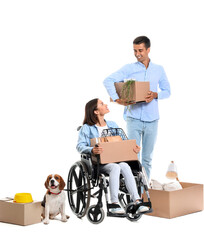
[97, 150]
[150, 96]
[123, 102]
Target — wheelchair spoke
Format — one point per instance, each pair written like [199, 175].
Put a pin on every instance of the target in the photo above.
[79, 194]
[75, 177]
[79, 180]
[78, 202]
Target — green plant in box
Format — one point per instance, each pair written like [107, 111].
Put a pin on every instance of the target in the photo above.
[127, 90]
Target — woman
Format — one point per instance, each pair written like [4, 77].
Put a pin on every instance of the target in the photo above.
[93, 125]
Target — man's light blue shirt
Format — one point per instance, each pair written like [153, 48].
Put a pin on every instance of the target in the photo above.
[155, 74]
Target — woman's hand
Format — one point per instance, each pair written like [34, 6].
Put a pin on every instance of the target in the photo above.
[136, 149]
[97, 150]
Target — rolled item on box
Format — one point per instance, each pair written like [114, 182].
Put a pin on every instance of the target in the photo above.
[95, 141]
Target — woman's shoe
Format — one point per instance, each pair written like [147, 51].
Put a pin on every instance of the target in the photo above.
[141, 208]
[115, 209]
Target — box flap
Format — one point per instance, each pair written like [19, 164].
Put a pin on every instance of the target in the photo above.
[6, 199]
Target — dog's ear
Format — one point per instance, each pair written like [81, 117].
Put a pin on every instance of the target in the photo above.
[47, 182]
[62, 183]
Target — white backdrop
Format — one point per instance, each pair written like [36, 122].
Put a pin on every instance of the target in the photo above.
[54, 56]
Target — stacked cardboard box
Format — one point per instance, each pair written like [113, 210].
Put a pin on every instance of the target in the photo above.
[20, 213]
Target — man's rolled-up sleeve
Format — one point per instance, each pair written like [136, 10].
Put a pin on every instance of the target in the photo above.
[164, 86]
[117, 76]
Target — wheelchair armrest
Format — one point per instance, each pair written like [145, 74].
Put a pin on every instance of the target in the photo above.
[93, 158]
[85, 156]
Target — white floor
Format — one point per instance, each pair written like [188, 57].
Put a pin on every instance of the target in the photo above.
[189, 226]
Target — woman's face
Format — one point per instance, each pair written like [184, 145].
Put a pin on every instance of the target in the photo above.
[102, 108]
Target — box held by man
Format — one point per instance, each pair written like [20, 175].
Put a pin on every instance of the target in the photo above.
[136, 92]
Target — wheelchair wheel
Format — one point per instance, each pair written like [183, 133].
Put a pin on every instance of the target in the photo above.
[79, 192]
[130, 211]
[95, 214]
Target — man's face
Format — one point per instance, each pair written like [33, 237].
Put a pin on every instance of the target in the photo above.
[141, 53]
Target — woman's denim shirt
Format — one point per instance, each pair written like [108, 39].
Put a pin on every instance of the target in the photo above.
[86, 133]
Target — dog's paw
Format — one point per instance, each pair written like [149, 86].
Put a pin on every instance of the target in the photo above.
[46, 221]
[64, 219]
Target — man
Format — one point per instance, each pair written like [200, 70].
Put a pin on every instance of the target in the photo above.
[142, 118]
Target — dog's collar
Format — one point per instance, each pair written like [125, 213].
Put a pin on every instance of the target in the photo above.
[54, 193]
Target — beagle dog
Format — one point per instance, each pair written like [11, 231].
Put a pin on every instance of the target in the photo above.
[54, 200]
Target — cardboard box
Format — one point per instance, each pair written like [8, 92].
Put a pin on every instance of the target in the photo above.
[20, 213]
[170, 204]
[120, 151]
[138, 91]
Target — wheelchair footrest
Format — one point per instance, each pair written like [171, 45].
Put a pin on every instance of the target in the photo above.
[109, 214]
[133, 208]
[150, 211]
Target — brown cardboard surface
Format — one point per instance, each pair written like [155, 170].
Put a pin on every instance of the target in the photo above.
[188, 200]
[118, 151]
[160, 203]
[20, 213]
[139, 90]
[170, 204]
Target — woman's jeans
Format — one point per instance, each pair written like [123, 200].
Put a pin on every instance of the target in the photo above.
[114, 170]
[147, 133]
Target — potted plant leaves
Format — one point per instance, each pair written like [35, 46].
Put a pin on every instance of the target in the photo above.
[127, 90]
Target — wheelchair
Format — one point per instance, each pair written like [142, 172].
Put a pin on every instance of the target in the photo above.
[84, 176]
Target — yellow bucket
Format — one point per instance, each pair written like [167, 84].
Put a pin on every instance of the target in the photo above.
[23, 198]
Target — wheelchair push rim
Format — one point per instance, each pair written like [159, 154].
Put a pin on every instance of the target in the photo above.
[79, 192]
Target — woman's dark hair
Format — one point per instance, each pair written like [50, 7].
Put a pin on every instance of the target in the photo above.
[142, 39]
[90, 117]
